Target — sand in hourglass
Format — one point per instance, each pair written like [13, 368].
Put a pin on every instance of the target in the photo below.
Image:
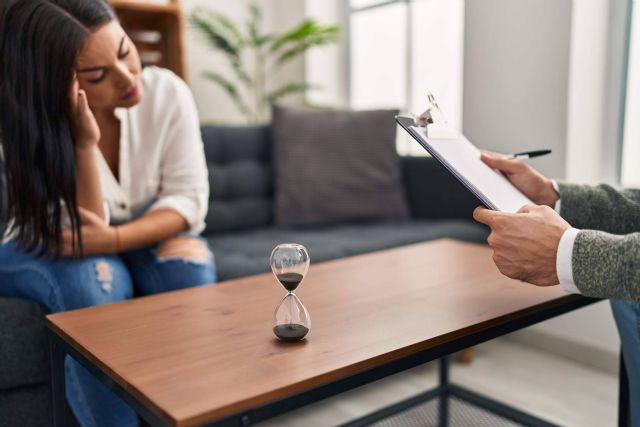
[290, 281]
[290, 332]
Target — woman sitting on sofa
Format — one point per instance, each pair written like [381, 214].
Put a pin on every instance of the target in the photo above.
[105, 173]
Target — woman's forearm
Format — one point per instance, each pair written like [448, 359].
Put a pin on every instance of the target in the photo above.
[88, 190]
[149, 229]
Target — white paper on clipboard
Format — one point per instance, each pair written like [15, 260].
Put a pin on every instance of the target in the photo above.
[462, 159]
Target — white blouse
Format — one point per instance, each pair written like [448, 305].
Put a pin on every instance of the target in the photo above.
[162, 163]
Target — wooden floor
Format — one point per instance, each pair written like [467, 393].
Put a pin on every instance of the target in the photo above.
[549, 386]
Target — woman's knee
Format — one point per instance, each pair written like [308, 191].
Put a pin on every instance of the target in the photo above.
[185, 262]
[185, 248]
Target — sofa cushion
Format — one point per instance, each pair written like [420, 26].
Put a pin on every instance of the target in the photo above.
[26, 406]
[333, 166]
[240, 177]
[245, 253]
[23, 346]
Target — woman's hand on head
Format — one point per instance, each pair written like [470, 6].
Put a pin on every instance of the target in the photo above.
[86, 132]
[98, 238]
[529, 181]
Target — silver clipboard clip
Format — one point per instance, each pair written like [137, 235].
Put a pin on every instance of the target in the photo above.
[434, 120]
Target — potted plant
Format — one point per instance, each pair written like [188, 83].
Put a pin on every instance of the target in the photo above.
[255, 57]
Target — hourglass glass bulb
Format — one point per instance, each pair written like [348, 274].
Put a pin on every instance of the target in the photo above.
[291, 319]
[289, 263]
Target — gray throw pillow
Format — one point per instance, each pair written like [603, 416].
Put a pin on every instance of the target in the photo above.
[334, 166]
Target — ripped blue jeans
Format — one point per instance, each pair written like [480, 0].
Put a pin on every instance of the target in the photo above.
[68, 284]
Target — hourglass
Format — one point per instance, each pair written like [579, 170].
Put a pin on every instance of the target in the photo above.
[289, 263]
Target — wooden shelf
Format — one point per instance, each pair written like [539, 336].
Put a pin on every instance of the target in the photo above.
[167, 20]
[172, 8]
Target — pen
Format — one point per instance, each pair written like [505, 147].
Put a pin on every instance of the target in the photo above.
[528, 154]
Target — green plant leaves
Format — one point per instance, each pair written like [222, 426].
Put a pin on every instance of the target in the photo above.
[303, 37]
[223, 35]
[217, 29]
[230, 89]
[288, 89]
[255, 17]
[297, 34]
[231, 29]
[250, 90]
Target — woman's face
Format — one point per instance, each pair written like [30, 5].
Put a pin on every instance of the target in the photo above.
[108, 69]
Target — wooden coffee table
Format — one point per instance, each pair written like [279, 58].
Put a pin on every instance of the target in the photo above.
[207, 355]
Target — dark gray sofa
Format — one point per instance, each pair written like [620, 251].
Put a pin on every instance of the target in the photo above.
[241, 234]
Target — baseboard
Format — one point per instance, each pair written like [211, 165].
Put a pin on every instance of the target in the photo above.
[585, 354]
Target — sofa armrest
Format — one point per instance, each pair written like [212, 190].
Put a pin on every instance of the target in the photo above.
[432, 192]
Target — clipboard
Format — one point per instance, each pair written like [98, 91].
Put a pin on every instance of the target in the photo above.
[462, 159]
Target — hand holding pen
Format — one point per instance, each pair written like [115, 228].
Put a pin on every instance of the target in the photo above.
[525, 178]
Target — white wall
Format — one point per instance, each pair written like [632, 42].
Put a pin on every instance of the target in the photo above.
[587, 85]
[516, 77]
[588, 74]
[536, 77]
[328, 66]
[213, 104]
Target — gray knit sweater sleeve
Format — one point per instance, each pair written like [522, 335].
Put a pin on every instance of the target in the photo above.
[607, 266]
[604, 265]
[600, 208]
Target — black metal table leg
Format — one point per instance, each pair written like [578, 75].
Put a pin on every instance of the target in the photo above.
[56, 358]
[444, 395]
[623, 396]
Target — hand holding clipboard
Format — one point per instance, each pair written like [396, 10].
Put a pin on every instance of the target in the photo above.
[462, 159]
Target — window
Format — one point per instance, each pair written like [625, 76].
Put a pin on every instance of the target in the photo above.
[378, 75]
[400, 50]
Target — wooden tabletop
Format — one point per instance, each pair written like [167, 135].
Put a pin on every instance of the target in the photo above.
[200, 354]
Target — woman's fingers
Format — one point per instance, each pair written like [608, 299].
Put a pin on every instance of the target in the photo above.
[85, 127]
[83, 105]
[85, 115]
[73, 94]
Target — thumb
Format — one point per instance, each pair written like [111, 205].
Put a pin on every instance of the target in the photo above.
[484, 215]
[502, 164]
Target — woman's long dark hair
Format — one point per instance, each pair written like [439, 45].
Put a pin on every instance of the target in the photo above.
[39, 44]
